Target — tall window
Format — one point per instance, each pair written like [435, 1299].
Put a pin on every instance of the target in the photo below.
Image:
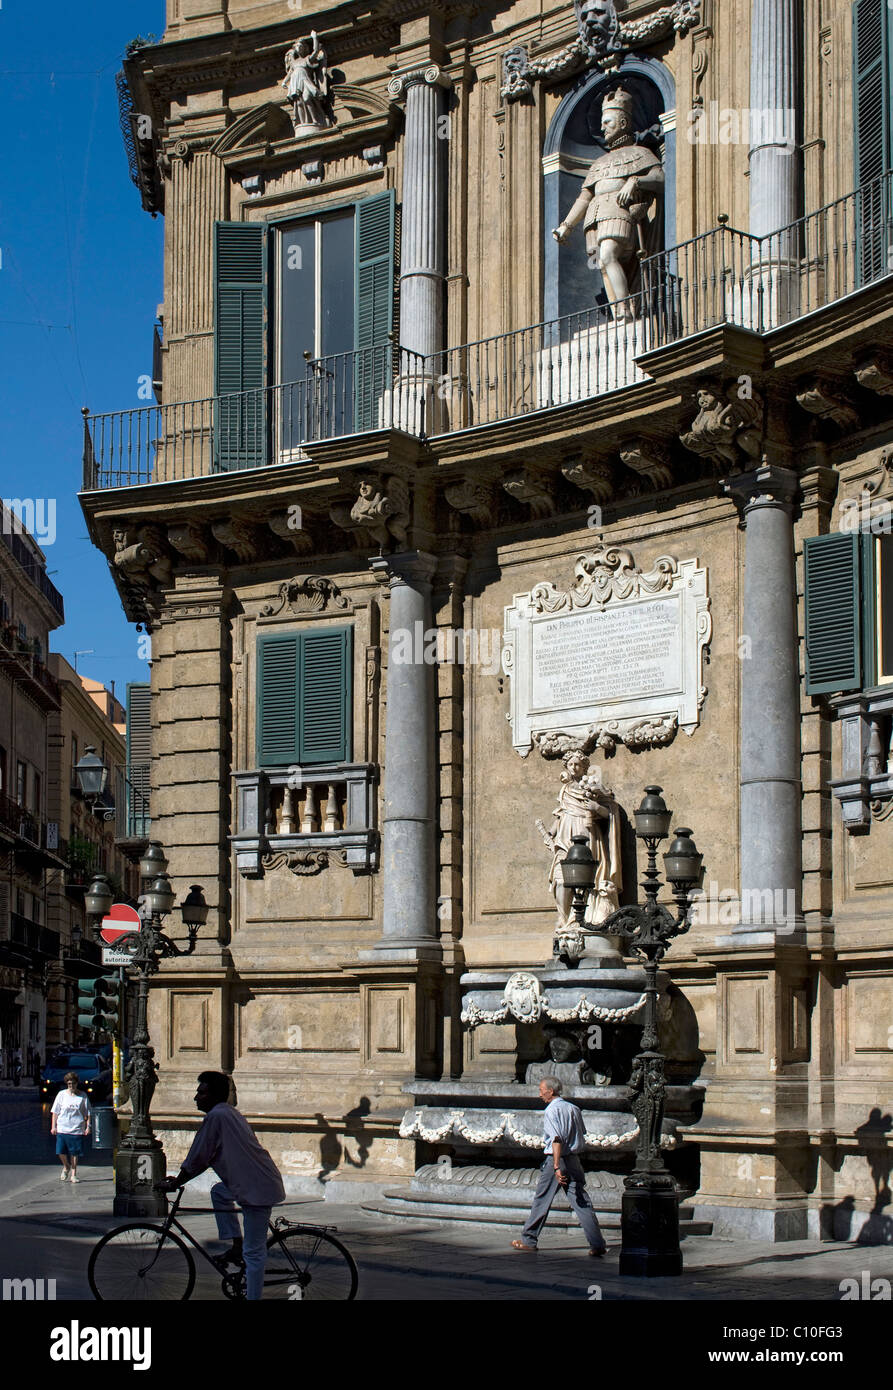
[873, 127]
[303, 314]
[3, 774]
[21, 781]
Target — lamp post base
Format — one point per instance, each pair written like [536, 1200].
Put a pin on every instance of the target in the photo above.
[136, 1173]
[649, 1224]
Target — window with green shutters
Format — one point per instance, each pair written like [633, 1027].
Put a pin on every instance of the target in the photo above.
[304, 697]
[374, 302]
[833, 613]
[873, 127]
[240, 358]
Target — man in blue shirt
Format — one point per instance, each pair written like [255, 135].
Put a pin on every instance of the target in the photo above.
[565, 1139]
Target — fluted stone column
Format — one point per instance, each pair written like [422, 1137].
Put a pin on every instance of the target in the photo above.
[775, 93]
[410, 765]
[770, 703]
[423, 226]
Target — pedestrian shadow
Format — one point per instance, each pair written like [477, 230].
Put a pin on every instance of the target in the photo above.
[332, 1152]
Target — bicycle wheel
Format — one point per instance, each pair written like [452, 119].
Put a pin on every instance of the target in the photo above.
[131, 1263]
[304, 1262]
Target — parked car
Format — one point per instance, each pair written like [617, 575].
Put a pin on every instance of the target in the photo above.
[93, 1070]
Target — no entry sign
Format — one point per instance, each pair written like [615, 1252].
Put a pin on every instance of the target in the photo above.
[121, 921]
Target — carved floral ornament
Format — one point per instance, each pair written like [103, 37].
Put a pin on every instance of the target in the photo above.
[615, 658]
[603, 40]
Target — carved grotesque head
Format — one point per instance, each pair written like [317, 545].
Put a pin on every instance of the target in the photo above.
[708, 398]
[599, 24]
[563, 1047]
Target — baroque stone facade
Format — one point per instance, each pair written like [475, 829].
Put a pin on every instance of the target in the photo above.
[513, 424]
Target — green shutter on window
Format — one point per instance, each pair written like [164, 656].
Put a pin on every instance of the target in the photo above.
[374, 241]
[304, 697]
[833, 613]
[325, 696]
[873, 125]
[277, 700]
[240, 305]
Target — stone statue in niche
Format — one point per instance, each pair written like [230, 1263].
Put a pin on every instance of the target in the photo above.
[308, 86]
[618, 203]
[585, 807]
[570, 1060]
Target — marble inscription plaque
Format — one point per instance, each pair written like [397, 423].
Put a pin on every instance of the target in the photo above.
[621, 653]
[617, 657]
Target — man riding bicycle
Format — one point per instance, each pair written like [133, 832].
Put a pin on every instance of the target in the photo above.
[248, 1177]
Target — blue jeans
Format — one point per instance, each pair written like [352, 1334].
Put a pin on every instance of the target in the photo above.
[254, 1248]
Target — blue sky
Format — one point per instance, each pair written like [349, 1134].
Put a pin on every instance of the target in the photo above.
[79, 284]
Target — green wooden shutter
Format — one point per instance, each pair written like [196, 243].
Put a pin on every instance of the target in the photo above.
[139, 754]
[325, 696]
[240, 304]
[833, 613]
[277, 700]
[374, 240]
[872, 87]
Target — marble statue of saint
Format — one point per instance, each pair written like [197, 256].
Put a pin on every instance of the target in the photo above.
[619, 193]
[307, 84]
[585, 807]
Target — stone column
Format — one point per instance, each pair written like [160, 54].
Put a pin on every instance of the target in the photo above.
[423, 225]
[775, 96]
[408, 822]
[770, 708]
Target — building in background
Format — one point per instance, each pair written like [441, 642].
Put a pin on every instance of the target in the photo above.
[30, 609]
[89, 716]
[645, 462]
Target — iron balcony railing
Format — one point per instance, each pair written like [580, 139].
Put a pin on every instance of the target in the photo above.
[33, 936]
[12, 539]
[348, 393]
[721, 276]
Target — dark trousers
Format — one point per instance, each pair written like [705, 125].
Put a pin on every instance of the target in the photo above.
[546, 1191]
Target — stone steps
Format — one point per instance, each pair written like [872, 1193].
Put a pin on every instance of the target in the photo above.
[427, 1206]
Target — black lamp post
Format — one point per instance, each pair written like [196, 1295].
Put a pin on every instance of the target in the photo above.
[650, 1209]
[140, 1162]
[578, 873]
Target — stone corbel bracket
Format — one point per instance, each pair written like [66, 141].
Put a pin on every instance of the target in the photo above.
[242, 535]
[593, 475]
[477, 501]
[534, 488]
[644, 633]
[827, 398]
[874, 372]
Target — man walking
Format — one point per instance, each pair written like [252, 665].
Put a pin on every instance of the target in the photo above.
[249, 1177]
[564, 1138]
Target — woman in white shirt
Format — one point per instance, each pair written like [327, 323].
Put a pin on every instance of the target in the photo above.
[70, 1122]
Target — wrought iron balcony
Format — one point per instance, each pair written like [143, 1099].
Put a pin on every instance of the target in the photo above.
[724, 276]
[349, 393]
[36, 939]
[132, 817]
[27, 668]
[35, 572]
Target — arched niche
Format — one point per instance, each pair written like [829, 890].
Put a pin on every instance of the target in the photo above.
[573, 142]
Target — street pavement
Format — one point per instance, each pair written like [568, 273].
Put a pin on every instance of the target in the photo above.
[47, 1229]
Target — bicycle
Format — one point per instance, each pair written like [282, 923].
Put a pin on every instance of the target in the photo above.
[147, 1260]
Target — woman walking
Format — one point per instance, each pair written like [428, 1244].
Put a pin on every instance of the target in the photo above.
[70, 1122]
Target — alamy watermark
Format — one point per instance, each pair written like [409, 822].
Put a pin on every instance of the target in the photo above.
[35, 515]
[715, 907]
[725, 125]
[433, 646]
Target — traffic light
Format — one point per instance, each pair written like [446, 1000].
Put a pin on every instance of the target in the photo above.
[100, 1001]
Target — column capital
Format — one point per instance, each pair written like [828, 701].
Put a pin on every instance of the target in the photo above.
[766, 486]
[430, 76]
[414, 568]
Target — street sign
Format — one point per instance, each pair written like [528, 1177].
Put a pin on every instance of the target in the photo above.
[121, 921]
[112, 956]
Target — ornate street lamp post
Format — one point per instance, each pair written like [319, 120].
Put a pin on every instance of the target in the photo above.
[650, 1210]
[140, 1162]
